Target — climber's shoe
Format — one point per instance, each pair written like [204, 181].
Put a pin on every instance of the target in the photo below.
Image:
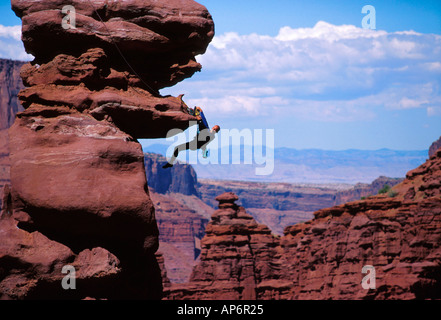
[167, 165]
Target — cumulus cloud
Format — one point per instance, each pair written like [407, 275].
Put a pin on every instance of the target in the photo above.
[327, 32]
[327, 72]
[11, 46]
[13, 32]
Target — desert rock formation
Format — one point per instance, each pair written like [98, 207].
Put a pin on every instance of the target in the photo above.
[78, 181]
[236, 254]
[181, 178]
[279, 205]
[397, 233]
[180, 232]
[10, 85]
[434, 147]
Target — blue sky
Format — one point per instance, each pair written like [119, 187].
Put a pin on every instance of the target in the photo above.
[310, 71]
[267, 17]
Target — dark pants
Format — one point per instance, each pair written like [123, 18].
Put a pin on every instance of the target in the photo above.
[194, 145]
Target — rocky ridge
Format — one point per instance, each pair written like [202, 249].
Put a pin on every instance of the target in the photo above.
[396, 233]
[279, 205]
[434, 147]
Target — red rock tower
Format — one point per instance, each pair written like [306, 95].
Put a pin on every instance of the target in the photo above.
[77, 170]
[238, 255]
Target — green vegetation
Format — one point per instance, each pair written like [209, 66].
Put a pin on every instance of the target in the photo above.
[392, 193]
[384, 190]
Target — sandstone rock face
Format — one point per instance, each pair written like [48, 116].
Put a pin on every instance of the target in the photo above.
[181, 215]
[77, 171]
[279, 205]
[180, 232]
[112, 64]
[5, 165]
[364, 190]
[80, 180]
[397, 233]
[158, 38]
[236, 256]
[181, 178]
[24, 255]
[10, 85]
[434, 147]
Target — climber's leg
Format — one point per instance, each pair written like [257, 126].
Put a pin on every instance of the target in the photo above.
[179, 148]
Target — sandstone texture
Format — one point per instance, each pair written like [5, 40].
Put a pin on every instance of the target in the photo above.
[158, 38]
[279, 205]
[180, 232]
[112, 64]
[363, 190]
[31, 266]
[181, 178]
[398, 233]
[236, 253]
[10, 85]
[434, 147]
[180, 213]
[78, 181]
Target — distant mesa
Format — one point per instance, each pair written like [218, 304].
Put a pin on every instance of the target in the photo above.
[434, 147]
[181, 178]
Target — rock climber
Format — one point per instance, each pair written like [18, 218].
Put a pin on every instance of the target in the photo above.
[203, 137]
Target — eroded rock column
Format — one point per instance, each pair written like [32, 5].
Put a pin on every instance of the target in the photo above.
[77, 171]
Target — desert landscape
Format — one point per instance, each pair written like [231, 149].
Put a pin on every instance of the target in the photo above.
[79, 190]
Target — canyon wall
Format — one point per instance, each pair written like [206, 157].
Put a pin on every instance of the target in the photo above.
[79, 192]
[363, 190]
[398, 234]
[10, 85]
[279, 205]
[181, 215]
[181, 178]
[180, 232]
[236, 253]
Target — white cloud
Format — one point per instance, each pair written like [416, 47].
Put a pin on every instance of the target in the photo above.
[433, 66]
[11, 46]
[13, 32]
[410, 97]
[434, 111]
[327, 32]
[328, 72]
